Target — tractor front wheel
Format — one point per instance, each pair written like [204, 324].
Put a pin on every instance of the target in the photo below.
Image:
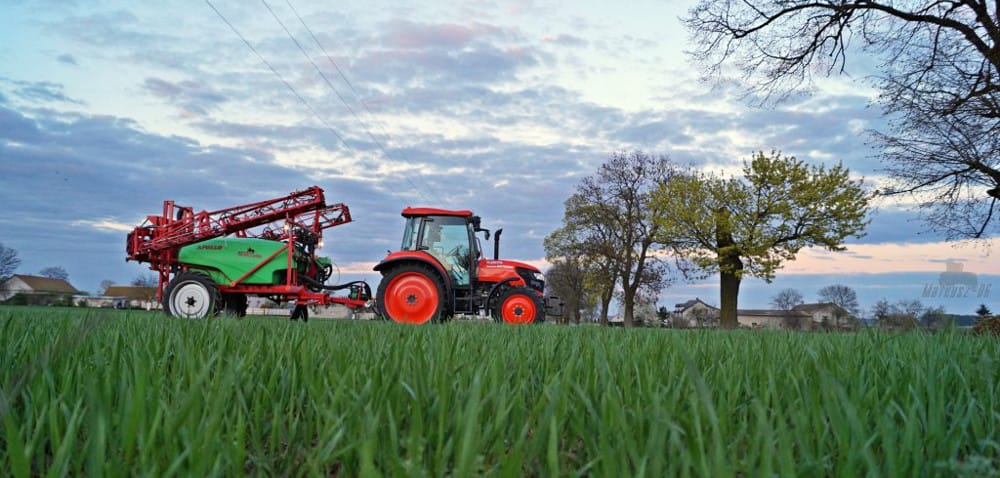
[411, 294]
[191, 295]
[519, 305]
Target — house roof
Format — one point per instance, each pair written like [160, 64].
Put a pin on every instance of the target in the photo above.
[769, 313]
[810, 308]
[691, 303]
[132, 292]
[45, 284]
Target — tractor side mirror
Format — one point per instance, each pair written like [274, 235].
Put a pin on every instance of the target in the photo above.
[477, 226]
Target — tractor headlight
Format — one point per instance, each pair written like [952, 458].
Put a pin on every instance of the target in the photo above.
[539, 276]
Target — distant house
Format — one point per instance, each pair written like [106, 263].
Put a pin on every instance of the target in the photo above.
[772, 319]
[36, 290]
[694, 313]
[826, 314]
[132, 297]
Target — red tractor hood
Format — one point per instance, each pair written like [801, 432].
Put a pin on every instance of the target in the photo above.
[505, 264]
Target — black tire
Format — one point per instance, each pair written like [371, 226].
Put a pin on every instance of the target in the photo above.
[235, 305]
[191, 295]
[516, 303]
[421, 284]
[300, 312]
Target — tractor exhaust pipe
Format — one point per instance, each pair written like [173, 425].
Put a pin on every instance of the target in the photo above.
[496, 244]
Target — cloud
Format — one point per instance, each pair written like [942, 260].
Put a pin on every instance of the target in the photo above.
[103, 225]
[192, 97]
[565, 40]
[39, 92]
[110, 29]
[409, 35]
[894, 258]
[67, 59]
[436, 68]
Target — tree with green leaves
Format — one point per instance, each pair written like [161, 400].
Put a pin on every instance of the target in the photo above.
[752, 225]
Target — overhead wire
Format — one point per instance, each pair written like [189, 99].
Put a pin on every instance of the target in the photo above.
[276, 73]
[335, 66]
[302, 99]
[334, 88]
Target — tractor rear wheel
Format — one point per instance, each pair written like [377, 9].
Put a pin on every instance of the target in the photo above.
[519, 305]
[191, 295]
[411, 294]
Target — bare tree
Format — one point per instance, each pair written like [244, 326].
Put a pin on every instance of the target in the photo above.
[105, 284]
[9, 262]
[903, 315]
[54, 272]
[939, 78]
[567, 279]
[881, 310]
[611, 216]
[787, 299]
[843, 296]
[145, 280]
[587, 236]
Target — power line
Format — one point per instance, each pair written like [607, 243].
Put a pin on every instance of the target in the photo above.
[334, 88]
[327, 55]
[273, 70]
[299, 96]
[323, 75]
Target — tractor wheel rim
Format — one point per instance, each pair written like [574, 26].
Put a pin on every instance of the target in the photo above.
[518, 309]
[411, 298]
[190, 300]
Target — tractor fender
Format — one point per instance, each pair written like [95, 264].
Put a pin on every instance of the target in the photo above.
[495, 290]
[397, 259]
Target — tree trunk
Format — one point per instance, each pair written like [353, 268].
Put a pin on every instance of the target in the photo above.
[605, 303]
[730, 270]
[628, 304]
[729, 293]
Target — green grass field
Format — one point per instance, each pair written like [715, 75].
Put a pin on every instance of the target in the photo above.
[116, 393]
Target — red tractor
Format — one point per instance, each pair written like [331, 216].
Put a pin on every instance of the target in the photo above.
[440, 271]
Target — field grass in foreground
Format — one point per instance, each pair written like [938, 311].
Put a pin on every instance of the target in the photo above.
[114, 393]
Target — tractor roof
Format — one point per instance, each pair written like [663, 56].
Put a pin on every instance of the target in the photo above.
[430, 211]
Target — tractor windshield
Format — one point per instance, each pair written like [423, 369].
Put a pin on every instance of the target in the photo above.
[448, 239]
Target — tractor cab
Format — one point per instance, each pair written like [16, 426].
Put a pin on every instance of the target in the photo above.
[447, 236]
[440, 271]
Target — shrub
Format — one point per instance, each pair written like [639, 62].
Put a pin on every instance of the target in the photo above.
[987, 325]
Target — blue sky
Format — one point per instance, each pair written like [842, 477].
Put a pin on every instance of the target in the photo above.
[107, 108]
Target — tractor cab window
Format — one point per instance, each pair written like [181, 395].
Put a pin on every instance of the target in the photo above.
[410, 234]
[447, 238]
